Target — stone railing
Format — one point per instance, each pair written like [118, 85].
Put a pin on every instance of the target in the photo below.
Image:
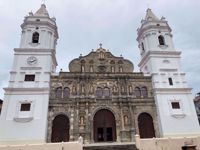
[172, 143]
[45, 146]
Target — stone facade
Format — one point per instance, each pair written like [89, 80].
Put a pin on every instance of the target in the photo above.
[101, 81]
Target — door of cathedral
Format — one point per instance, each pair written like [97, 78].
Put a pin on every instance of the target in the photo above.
[60, 129]
[145, 124]
[104, 126]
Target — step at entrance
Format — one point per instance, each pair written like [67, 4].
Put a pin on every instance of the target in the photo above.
[110, 146]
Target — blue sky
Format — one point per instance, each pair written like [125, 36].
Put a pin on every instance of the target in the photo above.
[83, 24]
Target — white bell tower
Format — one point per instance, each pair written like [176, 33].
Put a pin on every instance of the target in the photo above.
[26, 99]
[159, 59]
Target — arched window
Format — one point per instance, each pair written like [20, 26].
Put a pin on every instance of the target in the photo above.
[99, 92]
[106, 92]
[66, 92]
[161, 40]
[35, 37]
[59, 92]
[137, 92]
[144, 92]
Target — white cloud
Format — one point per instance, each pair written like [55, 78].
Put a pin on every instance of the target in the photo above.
[83, 24]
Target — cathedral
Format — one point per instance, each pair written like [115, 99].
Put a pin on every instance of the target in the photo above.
[101, 98]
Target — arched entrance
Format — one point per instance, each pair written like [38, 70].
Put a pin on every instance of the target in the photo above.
[145, 124]
[60, 129]
[104, 126]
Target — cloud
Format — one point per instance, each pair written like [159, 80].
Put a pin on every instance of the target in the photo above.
[83, 24]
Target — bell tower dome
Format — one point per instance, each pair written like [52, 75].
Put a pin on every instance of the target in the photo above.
[159, 59]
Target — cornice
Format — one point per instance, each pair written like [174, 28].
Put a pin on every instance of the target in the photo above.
[159, 54]
[37, 50]
[26, 89]
[172, 90]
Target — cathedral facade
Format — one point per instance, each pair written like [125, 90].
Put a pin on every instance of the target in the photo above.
[101, 98]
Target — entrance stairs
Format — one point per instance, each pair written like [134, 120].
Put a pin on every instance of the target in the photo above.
[110, 146]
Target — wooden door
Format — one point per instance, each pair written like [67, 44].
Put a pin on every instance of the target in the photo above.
[145, 124]
[104, 126]
[60, 129]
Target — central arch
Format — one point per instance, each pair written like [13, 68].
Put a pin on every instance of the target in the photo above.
[104, 126]
[60, 129]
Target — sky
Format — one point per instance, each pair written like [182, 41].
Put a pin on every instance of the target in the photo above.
[83, 24]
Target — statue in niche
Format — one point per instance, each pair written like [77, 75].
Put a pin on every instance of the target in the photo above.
[130, 89]
[81, 120]
[122, 88]
[74, 89]
[114, 89]
[125, 120]
[82, 89]
[91, 89]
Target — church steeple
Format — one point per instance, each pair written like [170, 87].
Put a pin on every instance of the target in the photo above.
[34, 62]
[42, 11]
[154, 34]
[39, 30]
[161, 61]
[150, 15]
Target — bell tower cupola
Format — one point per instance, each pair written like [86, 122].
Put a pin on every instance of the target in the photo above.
[154, 34]
[39, 30]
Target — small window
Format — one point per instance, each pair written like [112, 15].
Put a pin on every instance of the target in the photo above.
[35, 37]
[99, 92]
[144, 92]
[161, 40]
[175, 105]
[170, 81]
[29, 77]
[137, 92]
[58, 92]
[66, 92]
[25, 107]
[143, 47]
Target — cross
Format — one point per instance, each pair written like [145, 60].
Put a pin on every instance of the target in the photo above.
[100, 45]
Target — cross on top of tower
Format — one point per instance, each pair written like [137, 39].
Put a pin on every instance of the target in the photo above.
[100, 45]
